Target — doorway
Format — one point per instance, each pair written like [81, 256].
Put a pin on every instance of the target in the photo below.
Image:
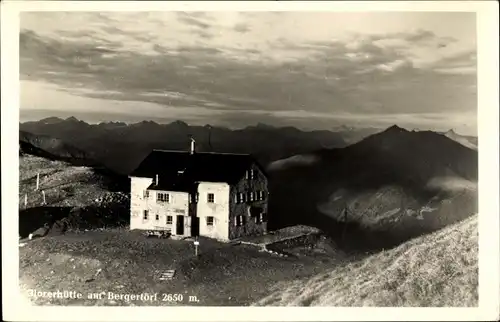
[180, 225]
[195, 226]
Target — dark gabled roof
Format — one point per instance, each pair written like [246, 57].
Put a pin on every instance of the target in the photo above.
[179, 170]
[173, 185]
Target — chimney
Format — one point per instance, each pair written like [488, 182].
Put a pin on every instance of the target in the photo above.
[192, 145]
[156, 182]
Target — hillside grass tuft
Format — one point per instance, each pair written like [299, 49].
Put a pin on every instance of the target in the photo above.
[437, 270]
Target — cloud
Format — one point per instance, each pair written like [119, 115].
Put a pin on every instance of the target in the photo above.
[193, 19]
[234, 62]
[241, 27]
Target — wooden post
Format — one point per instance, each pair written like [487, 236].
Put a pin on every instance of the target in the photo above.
[196, 243]
[37, 180]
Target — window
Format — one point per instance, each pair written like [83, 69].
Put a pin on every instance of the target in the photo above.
[251, 196]
[210, 198]
[162, 197]
[145, 215]
[146, 194]
[242, 197]
[170, 220]
[261, 218]
[210, 221]
[239, 220]
[157, 217]
[260, 195]
[249, 174]
[253, 211]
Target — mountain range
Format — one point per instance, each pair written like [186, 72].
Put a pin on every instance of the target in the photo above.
[122, 146]
[377, 192]
[393, 185]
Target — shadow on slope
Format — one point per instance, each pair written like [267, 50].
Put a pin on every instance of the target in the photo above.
[77, 218]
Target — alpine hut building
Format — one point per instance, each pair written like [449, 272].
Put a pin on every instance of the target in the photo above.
[188, 193]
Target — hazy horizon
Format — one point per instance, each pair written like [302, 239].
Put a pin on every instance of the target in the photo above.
[310, 70]
[160, 121]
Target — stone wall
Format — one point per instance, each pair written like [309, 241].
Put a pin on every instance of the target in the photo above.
[299, 241]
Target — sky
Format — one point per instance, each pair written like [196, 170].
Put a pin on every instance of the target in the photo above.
[313, 70]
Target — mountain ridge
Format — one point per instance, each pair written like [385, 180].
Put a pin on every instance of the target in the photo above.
[122, 147]
[390, 186]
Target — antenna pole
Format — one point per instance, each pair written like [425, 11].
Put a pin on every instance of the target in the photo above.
[210, 138]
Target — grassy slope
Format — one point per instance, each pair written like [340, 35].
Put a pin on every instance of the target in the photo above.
[64, 185]
[440, 269]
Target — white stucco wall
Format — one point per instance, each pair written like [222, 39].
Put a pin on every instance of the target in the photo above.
[177, 205]
[219, 210]
[137, 202]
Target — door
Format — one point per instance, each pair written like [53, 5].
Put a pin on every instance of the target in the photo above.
[180, 225]
[195, 226]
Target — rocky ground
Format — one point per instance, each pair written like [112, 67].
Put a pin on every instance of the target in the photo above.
[125, 262]
[76, 197]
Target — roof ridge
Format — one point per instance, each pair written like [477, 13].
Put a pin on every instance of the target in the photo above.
[161, 150]
[187, 152]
